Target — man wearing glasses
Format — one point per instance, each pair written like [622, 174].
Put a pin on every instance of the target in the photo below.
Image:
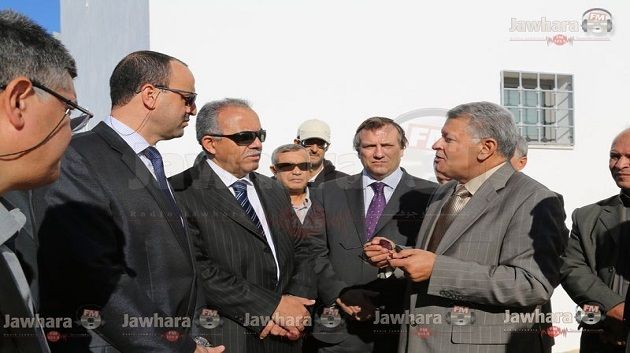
[254, 264]
[36, 102]
[314, 135]
[114, 248]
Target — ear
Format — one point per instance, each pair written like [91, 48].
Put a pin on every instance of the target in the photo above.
[488, 148]
[13, 100]
[149, 95]
[296, 141]
[273, 170]
[207, 142]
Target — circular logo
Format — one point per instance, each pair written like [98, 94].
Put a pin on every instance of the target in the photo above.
[91, 319]
[53, 336]
[330, 317]
[209, 319]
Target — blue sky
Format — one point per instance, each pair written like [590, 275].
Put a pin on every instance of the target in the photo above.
[44, 12]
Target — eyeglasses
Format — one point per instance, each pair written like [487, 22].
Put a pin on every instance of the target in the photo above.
[245, 138]
[288, 167]
[315, 141]
[189, 97]
[79, 116]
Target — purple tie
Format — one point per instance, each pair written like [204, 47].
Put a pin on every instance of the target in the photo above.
[377, 205]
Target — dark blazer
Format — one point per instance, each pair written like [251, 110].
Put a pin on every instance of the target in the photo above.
[237, 271]
[591, 261]
[23, 339]
[328, 173]
[109, 241]
[342, 267]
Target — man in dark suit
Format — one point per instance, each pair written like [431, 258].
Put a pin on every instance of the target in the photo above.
[595, 269]
[114, 250]
[37, 102]
[314, 135]
[381, 200]
[254, 264]
[488, 248]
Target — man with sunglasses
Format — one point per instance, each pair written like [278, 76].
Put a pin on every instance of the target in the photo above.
[253, 259]
[36, 103]
[114, 248]
[314, 135]
[382, 200]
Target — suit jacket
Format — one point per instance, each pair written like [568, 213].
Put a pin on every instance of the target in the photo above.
[17, 339]
[500, 256]
[590, 261]
[237, 271]
[110, 242]
[340, 264]
[328, 173]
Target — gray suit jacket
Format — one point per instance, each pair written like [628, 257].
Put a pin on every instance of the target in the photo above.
[500, 253]
[589, 262]
[340, 264]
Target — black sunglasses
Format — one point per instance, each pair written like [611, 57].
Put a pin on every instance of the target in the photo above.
[288, 167]
[245, 138]
[79, 119]
[315, 141]
[189, 97]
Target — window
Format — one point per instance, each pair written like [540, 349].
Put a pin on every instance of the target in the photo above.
[542, 105]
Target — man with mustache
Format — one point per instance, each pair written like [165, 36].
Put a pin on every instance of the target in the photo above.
[254, 263]
[489, 245]
[595, 271]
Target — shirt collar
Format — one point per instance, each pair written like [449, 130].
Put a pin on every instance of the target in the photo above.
[475, 183]
[390, 181]
[10, 222]
[137, 143]
[226, 177]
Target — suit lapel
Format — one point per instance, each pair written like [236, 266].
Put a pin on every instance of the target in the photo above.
[433, 212]
[477, 206]
[145, 179]
[354, 197]
[609, 219]
[221, 199]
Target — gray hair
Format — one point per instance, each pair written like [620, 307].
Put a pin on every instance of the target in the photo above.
[377, 122]
[207, 117]
[489, 120]
[521, 147]
[291, 147]
[26, 49]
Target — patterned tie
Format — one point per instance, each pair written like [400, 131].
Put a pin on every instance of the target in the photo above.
[158, 167]
[240, 191]
[451, 208]
[377, 205]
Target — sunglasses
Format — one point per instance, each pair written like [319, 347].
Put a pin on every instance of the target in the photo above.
[315, 141]
[189, 97]
[79, 116]
[245, 138]
[288, 167]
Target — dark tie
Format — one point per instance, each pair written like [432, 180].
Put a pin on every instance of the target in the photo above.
[377, 205]
[240, 191]
[158, 167]
[450, 210]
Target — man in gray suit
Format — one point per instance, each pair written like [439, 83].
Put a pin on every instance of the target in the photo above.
[381, 200]
[594, 266]
[487, 255]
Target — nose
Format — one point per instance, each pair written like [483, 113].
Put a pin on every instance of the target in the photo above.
[622, 162]
[256, 144]
[438, 144]
[296, 170]
[378, 152]
[192, 109]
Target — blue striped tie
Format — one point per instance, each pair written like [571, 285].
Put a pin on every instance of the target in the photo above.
[240, 190]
